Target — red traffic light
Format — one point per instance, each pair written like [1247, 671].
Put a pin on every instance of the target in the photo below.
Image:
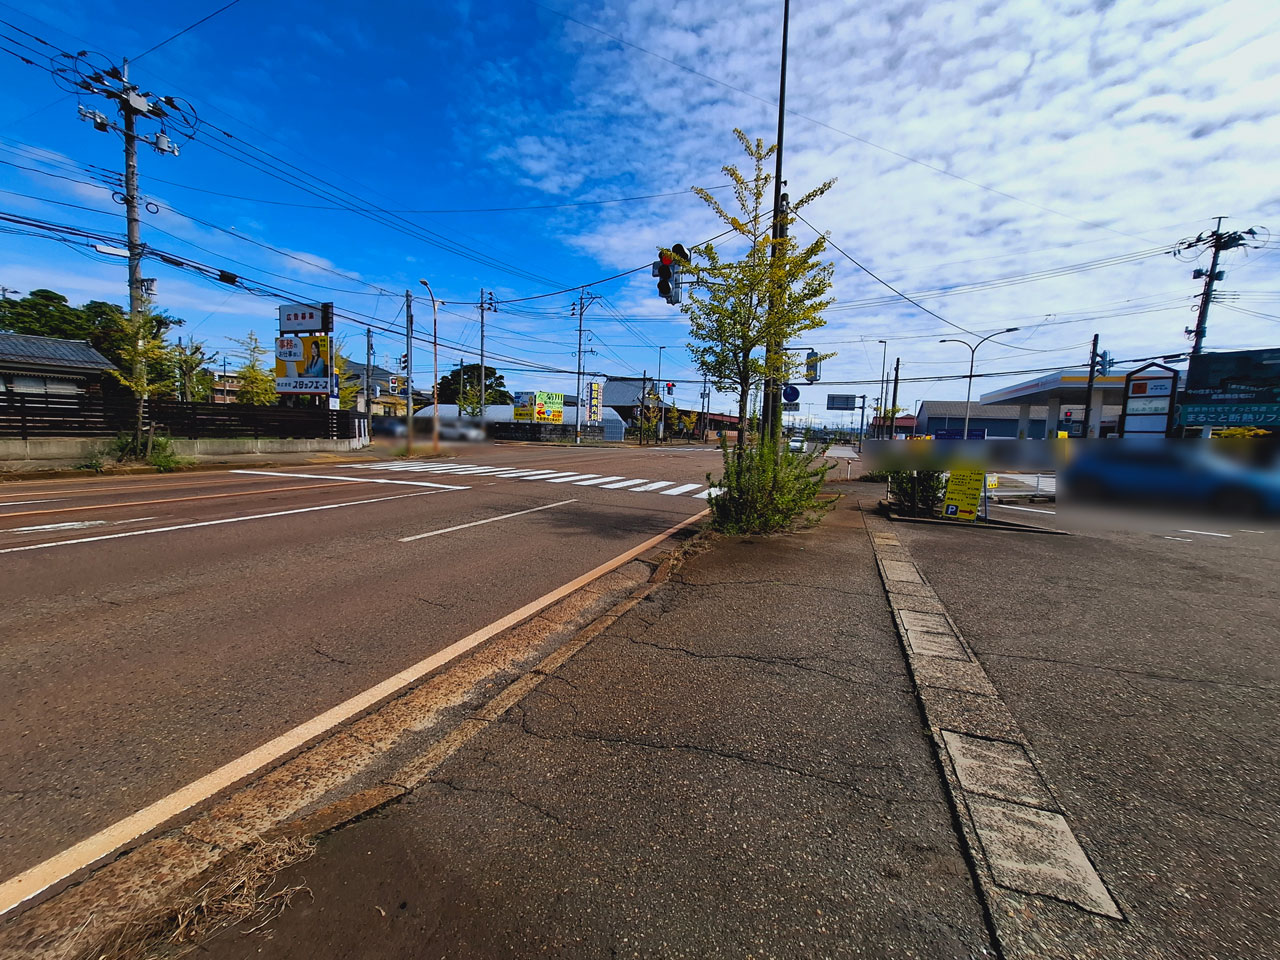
[666, 258]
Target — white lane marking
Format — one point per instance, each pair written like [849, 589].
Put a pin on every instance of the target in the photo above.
[683, 488]
[1242, 529]
[1009, 506]
[20, 503]
[475, 470]
[1181, 539]
[622, 484]
[707, 493]
[214, 523]
[547, 475]
[573, 477]
[477, 523]
[1207, 533]
[317, 476]
[592, 483]
[74, 525]
[107, 841]
[512, 474]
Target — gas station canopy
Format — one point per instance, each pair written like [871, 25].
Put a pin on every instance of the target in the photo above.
[1064, 387]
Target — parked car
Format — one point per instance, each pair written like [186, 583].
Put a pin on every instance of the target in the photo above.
[1183, 473]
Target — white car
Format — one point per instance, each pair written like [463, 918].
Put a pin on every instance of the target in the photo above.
[796, 444]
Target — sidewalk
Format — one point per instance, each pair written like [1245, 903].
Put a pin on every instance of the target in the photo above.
[735, 768]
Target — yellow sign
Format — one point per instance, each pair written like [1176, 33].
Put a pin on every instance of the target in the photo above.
[993, 481]
[964, 493]
[539, 407]
[302, 365]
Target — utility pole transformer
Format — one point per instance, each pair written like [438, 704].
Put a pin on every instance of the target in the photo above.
[1219, 241]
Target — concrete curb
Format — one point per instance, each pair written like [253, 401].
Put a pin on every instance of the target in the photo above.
[1007, 526]
[1036, 876]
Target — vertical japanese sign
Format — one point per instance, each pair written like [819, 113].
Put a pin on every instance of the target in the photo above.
[595, 403]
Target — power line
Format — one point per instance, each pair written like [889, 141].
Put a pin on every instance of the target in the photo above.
[184, 30]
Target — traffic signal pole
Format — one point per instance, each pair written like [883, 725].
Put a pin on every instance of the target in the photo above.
[1088, 393]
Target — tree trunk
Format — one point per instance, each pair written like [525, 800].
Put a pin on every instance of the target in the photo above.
[744, 398]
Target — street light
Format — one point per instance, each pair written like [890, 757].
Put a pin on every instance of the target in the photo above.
[973, 352]
[884, 356]
[435, 372]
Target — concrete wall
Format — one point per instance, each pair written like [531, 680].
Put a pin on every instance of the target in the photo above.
[50, 452]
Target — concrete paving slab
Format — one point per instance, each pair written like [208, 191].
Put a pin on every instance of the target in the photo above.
[1035, 851]
[998, 769]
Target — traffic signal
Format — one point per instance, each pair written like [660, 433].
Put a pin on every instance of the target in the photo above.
[404, 361]
[812, 367]
[671, 389]
[1104, 363]
[667, 269]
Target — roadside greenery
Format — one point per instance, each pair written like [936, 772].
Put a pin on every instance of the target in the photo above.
[741, 309]
[917, 492]
[257, 384]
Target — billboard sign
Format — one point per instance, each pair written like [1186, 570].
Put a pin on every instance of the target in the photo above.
[303, 365]
[843, 401]
[539, 407]
[1148, 401]
[1241, 388]
[595, 402]
[306, 318]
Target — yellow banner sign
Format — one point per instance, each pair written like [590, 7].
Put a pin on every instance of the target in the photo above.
[964, 493]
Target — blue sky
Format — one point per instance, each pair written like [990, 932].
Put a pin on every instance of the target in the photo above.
[971, 142]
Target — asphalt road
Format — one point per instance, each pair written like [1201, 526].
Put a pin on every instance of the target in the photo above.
[154, 628]
[1139, 656]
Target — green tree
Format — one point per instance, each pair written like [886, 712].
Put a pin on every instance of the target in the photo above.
[143, 352]
[350, 379]
[257, 385]
[773, 292]
[496, 393]
[741, 312]
[189, 361]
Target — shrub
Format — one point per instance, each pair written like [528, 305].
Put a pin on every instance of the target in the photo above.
[917, 492]
[765, 489]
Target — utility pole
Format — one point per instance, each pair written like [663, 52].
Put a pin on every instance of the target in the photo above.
[862, 423]
[662, 413]
[706, 408]
[1088, 393]
[484, 381]
[5, 291]
[771, 407]
[584, 300]
[408, 372]
[644, 401]
[893, 407]
[1219, 241]
[368, 381]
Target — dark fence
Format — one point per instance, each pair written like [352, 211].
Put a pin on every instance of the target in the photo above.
[29, 415]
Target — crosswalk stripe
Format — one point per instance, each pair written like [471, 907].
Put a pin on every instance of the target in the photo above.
[512, 474]
[683, 488]
[656, 485]
[709, 492]
[592, 483]
[573, 476]
[553, 473]
[541, 474]
[624, 483]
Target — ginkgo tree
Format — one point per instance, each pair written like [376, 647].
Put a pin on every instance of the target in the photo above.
[748, 297]
[768, 292]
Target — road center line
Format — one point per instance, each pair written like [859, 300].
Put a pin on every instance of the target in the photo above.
[20, 503]
[105, 842]
[476, 523]
[214, 523]
[143, 503]
[316, 476]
